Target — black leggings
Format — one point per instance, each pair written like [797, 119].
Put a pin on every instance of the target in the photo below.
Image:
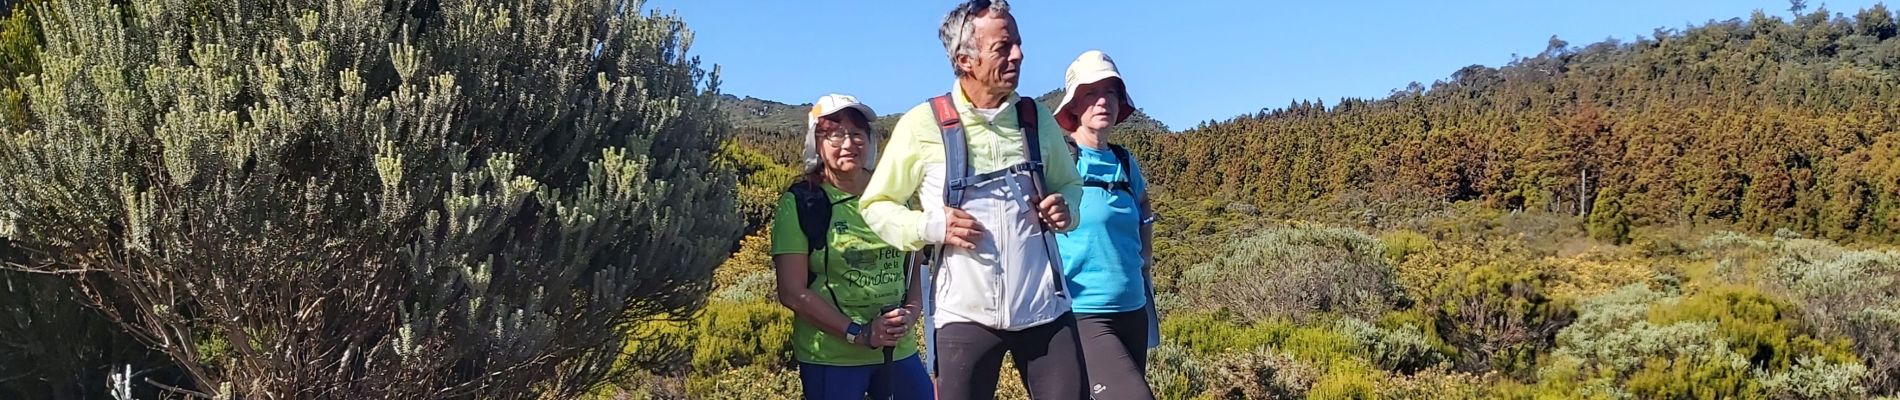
[1117, 348]
[1048, 356]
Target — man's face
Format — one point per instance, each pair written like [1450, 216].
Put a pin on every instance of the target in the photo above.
[999, 52]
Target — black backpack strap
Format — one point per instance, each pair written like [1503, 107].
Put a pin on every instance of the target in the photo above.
[814, 213]
[1128, 168]
[1121, 186]
[814, 220]
[1126, 184]
[1027, 119]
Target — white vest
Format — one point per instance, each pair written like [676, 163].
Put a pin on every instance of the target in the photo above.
[1008, 282]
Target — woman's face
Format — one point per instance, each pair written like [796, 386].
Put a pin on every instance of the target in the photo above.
[1096, 104]
[842, 147]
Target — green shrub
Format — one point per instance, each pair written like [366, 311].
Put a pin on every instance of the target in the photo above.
[731, 335]
[762, 181]
[373, 199]
[748, 276]
[1260, 374]
[1399, 244]
[1607, 220]
[1441, 383]
[1767, 332]
[1208, 333]
[1813, 377]
[1298, 273]
[1493, 308]
[1405, 348]
[1612, 340]
[1174, 372]
[1349, 379]
[1186, 228]
[1727, 343]
[1842, 293]
[751, 382]
[722, 336]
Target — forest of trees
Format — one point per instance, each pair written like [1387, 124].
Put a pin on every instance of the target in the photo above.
[1759, 122]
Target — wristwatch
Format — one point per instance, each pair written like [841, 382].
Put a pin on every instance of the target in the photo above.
[852, 332]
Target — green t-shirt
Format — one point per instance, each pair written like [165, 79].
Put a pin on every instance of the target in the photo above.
[862, 272]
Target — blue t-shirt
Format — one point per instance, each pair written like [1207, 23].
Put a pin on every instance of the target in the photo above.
[1102, 257]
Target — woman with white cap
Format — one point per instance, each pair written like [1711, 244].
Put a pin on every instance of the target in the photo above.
[854, 300]
[1107, 258]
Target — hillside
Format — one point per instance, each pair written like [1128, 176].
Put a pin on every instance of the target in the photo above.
[765, 115]
[1759, 122]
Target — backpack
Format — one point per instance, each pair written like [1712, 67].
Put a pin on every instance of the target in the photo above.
[814, 220]
[814, 212]
[958, 177]
[1121, 156]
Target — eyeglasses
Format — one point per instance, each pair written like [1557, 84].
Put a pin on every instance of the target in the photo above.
[838, 137]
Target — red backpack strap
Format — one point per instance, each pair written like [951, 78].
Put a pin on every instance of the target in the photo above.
[946, 111]
[957, 175]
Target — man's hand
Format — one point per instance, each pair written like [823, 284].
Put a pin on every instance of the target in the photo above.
[960, 229]
[1054, 212]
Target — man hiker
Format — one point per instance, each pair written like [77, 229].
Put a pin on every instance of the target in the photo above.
[991, 203]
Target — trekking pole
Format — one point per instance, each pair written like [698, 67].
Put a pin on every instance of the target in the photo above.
[890, 377]
[1055, 259]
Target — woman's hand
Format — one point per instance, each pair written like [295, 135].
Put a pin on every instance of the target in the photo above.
[895, 326]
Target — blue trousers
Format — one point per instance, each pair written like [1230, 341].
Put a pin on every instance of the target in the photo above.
[825, 382]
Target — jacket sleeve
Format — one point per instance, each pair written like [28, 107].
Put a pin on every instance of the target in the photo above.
[900, 172]
[1058, 166]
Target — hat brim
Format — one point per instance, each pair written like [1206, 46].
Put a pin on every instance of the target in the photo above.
[1069, 122]
[862, 109]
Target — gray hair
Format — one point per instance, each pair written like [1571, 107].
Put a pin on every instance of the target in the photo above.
[960, 25]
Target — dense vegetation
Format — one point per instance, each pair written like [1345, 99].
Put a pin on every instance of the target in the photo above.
[349, 199]
[1764, 123]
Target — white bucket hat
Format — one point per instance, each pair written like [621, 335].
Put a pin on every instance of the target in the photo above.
[832, 104]
[1090, 67]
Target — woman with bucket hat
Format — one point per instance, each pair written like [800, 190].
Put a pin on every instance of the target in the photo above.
[851, 292]
[1108, 257]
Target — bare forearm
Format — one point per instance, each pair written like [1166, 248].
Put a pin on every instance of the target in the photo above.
[795, 294]
[806, 304]
[1147, 233]
[1147, 245]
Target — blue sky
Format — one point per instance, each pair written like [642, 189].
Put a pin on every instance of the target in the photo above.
[1185, 61]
